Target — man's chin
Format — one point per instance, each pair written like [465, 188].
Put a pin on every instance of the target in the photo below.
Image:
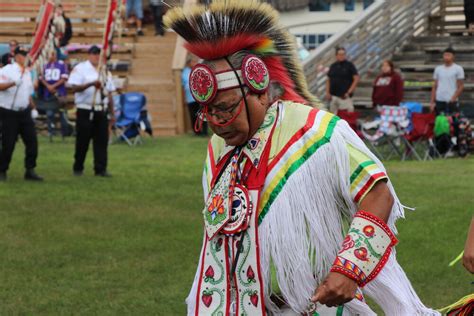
[234, 139]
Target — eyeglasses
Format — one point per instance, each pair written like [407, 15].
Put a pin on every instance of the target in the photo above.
[223, 114]
[221, 117]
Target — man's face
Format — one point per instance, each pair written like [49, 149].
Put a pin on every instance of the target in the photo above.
[52, 57]
[341, 55]
[448, 58]
[193, 62]
[13, 45]
[20, 59]
[240, 130]
[94, 59]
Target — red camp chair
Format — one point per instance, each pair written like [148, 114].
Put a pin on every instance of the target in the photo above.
[422, 133]
[351, 118]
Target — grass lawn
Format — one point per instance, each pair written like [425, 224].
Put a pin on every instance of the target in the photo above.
[129, 245]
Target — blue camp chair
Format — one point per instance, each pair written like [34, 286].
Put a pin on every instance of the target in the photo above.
[132, 117]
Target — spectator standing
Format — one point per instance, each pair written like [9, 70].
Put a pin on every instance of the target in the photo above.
[137, 7]
[158, 9]
[388, 86]
[92, 115]
[8, 58]
[193, 106]
[16, 104]
[469, 13]
[448, 85]
[66, 37]
[342, 82]
[53, 90]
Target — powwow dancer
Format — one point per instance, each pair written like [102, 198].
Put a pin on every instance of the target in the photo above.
[280, 181]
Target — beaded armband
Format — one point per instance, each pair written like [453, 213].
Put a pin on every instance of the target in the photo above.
[366, 248]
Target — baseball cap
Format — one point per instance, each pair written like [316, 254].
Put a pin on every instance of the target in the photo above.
[94, 49]
[20, 50]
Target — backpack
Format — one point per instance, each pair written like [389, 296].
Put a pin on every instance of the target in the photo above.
[442, 126]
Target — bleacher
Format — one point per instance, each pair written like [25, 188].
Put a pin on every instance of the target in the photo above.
[417, 60]
[141, 64]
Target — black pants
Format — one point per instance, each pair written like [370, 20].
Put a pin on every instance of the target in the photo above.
[96, 129]
[158, 11]
[12, 124]
[193, 112]
[469, 12]
[446, 107]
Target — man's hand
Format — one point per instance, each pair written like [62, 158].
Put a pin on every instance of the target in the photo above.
[50, 88]
[432, 106]
[97, 84]
[347, 95]
[328, 97]
[336, 290]
[453, 100]
[112, 120]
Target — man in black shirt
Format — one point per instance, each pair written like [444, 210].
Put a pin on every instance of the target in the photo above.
[8, 58]
[341, 84]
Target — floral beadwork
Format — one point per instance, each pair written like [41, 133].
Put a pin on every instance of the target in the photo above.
[203, 84]
[217, 206]
[366, 248]
[255, 73]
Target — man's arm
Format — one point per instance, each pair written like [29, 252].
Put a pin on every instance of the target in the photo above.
[110, 105]
[32, 103]
[459, 90]
[7, 85]
[328, 89]
[433, 95]
[355, 82]
[82, 87]
[468, 258]
[337, 288]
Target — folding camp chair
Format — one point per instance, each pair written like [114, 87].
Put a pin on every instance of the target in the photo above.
[390, 129]
[421, 134]
[131, 117]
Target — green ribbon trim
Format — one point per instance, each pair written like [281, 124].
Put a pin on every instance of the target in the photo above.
[340, 309]
[298, 163]
[360, 168]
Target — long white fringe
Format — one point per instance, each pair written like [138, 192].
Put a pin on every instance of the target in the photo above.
[303, 231]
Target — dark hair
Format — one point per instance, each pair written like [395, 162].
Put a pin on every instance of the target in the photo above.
[390, 63]
[450, 50]
[339, 49]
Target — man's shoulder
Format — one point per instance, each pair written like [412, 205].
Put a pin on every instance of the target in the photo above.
[299, 118]
[82, 65]
[7, 68]
[458, 67]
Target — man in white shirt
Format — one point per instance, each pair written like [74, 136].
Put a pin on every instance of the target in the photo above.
[92, 116]
[16, 88]
[448, 85]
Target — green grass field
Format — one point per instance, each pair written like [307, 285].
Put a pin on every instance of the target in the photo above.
[129, 245]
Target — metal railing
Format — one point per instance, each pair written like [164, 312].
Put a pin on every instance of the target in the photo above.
[376, 35]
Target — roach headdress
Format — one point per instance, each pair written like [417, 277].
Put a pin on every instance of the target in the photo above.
[225, 27]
